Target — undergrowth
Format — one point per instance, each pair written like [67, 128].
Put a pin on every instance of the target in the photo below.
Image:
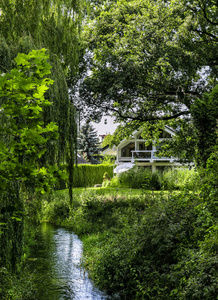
[170, 179]
[149, 246]
[146, 247]
[16, 286]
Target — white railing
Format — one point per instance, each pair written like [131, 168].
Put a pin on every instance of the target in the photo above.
[148, 155]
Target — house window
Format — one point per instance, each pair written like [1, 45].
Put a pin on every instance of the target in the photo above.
[126, 151]
[149, 147]
[105, 121]
[142, 146]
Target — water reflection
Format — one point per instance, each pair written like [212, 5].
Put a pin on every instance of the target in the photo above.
[55, 262]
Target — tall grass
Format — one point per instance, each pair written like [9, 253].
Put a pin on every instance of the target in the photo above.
[180, 179]
[171, 179]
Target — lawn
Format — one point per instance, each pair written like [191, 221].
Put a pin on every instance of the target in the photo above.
[110, 191]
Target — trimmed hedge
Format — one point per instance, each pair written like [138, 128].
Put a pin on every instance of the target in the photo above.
[88, 175]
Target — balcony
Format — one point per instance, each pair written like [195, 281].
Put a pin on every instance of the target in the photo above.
[148, 155]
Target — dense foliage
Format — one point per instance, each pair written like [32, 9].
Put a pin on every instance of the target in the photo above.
[55, 25]
[161, 252]
[150, 246]
[85, 175]
[38, 132]
[170, 179]
[152, 62]
[24, 136]
[89, 175]
[52, 24]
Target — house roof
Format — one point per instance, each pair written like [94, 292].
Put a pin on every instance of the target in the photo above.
[81, 160]
[167, 129]
[170, 128]
[109, 151]
[113, 151]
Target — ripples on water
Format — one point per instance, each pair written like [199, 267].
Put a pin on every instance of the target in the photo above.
[55, 263]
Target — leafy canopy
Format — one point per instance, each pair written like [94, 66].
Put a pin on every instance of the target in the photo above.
[54, 24]
[140, 68]
[152, 61]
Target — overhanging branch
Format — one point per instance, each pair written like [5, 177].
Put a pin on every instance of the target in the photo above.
[147, 119]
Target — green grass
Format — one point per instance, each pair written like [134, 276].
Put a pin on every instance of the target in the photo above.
[109, 191]
[80, 193]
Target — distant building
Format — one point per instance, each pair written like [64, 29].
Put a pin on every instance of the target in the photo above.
[106, 126]
[135, 151]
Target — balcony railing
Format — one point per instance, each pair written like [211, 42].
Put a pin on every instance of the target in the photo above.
[148, 155]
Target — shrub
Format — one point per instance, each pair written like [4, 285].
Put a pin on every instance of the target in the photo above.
[139, 177]
[209, 188]
[16, 286]
[155, 181]
[57, 210]
[135, 178]
[197, 273]
[158, 254]
[86, 175]
[180, 178]
[115, 182]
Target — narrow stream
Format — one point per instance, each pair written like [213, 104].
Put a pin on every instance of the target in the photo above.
[55, 263]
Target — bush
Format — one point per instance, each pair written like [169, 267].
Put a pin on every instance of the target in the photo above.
[16, 286]
[136, 178]
[172, 179]
[89, 175]
[86, 175]
[209, 188]
[197, 273]
[180, 178]
[115, 182]
[155, 181]
[139, 177]
[57, 210]
[158, 253]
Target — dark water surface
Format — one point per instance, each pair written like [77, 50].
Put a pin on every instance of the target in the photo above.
[55, 263]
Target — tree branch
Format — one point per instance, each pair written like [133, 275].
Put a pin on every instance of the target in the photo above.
[144, 119]
[205, 32]
[203, 6]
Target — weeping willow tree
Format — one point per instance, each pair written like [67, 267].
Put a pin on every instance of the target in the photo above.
[54, 25]
[24, 26]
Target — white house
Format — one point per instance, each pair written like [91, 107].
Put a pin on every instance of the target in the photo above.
[134, 150]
